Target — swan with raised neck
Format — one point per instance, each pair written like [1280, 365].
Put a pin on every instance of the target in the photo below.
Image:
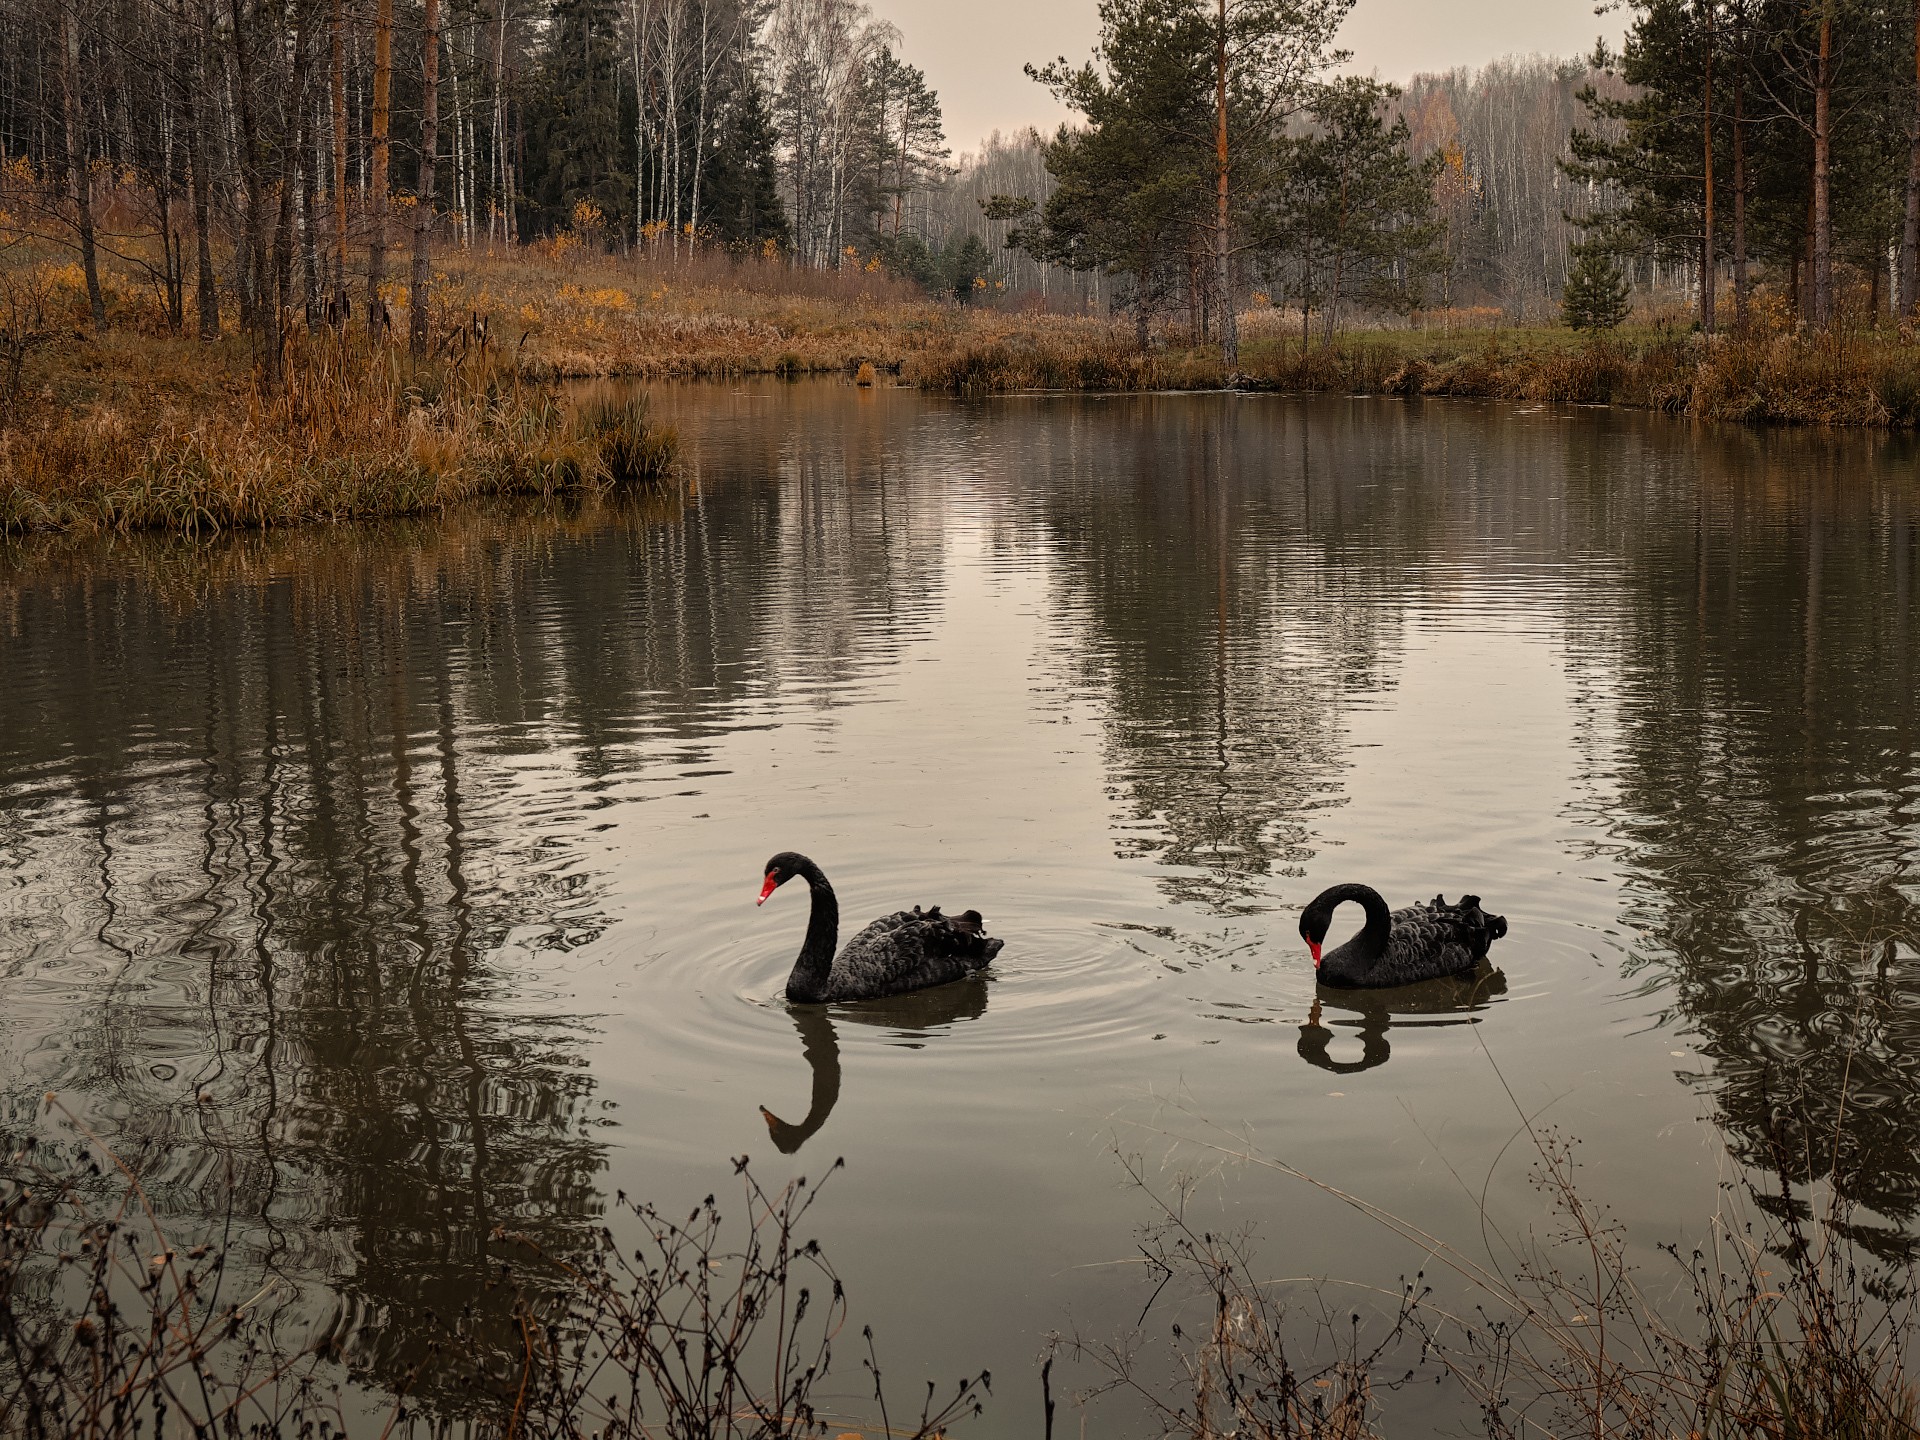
[908, 950]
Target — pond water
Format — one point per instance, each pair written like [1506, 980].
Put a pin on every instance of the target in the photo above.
[377, 888]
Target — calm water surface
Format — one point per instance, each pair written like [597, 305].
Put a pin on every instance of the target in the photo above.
[398, 881]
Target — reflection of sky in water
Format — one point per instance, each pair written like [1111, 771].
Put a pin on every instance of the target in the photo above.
[406, 873]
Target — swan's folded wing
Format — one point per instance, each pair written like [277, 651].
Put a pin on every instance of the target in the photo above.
[1429, 940]
[911, 950]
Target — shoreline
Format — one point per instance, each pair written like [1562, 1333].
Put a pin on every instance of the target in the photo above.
[132, 431]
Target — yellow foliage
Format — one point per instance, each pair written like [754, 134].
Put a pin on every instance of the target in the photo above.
[588, 219]
[64, 277]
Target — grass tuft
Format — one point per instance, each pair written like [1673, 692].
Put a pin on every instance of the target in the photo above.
[346, 434]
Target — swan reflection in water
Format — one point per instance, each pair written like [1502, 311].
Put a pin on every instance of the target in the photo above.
[1455, 1000]
[915, 1017]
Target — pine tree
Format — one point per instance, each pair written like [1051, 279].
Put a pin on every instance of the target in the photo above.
[1130, 187]
[906, 143]
[1596, 293]
[1349, 218]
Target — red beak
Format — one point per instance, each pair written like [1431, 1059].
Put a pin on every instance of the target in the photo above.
[1314, 946]
[772, 880]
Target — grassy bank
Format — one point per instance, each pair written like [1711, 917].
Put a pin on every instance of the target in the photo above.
[150, 434]
[140, 427]
[1865, 379]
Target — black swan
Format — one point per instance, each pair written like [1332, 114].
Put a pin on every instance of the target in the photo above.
[1421, 942]
[907, 950]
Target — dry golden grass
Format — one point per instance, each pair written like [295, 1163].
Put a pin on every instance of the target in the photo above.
[346, 433]
[141, 428]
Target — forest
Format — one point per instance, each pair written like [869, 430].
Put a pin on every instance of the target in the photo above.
[641, 187]
[283, 159]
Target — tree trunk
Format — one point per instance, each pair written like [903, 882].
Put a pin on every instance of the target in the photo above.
[199, 165]
[1222, 240]
[700, 123]
[1909, 292]
[339, 43]
[1740, 284]
[1332, 306]
[382, 119]
[419, 300]
[313, 283]
[256, 292]
[1306, 294]
[1708, 255]
[293, 159]
[503, 172]
[79, 172]
[1822, 175]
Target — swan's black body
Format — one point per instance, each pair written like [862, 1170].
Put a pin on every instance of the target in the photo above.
[907, 950]
[1421, 942]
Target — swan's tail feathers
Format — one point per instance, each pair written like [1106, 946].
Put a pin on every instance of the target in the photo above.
[981, 947]
[1492, 927]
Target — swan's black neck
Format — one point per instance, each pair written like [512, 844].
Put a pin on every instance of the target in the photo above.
[1349, 963]
[807, 985]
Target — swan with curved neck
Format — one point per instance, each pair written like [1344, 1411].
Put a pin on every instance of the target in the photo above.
[907, 950]
[1398, 947]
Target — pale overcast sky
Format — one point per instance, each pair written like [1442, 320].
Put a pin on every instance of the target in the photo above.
[972, 50]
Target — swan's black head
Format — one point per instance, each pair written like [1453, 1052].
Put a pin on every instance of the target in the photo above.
[780, 869]
[1314, 921]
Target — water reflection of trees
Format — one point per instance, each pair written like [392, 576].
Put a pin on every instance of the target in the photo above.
[1212, 628]
[1765, 785]
[277, 817]
[1740, 601]
[1239, 573]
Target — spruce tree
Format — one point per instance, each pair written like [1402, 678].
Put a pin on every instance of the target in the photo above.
[575, 151]
[1596, 293]
[742, 186]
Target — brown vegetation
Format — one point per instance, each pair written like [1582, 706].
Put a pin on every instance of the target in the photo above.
[1784, 1328]
[128, 432]
[709, 1328]
[138, 427]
